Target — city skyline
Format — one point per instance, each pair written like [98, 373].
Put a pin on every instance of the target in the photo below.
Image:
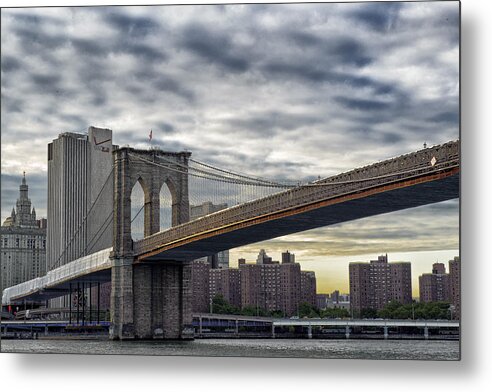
[382, 90]
[332, 277]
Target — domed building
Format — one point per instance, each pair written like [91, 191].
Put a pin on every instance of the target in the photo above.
[22, 242]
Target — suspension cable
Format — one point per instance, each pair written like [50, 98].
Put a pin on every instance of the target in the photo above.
[56, 264]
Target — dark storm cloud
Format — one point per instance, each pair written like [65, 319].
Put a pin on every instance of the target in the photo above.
[362, 104]
[315, 72]
[334, 50]
[377, 16]
[134, 26]
[165, 127]
[273, 121]
[85, 47]
[34, 40]
[213, 47]
[10, 64]
[143, 52]
[168, 84]
[45, 80]
[159, 82]
[445, 117]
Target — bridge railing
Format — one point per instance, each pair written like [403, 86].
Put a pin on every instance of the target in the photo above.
[429, 160]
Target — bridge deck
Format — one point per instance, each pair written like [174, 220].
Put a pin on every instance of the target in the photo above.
[427, 176]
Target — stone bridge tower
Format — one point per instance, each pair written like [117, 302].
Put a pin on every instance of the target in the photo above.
[149, 300]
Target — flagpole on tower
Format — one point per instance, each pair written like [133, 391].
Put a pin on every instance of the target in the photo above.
[150, 138]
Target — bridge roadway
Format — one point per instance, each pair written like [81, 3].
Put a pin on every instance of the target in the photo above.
[427, 176]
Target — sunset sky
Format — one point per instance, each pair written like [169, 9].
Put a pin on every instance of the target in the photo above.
[279, 91]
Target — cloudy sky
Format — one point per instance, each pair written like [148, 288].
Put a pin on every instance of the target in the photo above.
[280, 91]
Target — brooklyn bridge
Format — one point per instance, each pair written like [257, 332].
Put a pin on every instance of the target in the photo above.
[151, 277]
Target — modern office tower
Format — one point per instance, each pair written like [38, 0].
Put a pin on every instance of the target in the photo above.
[200, 277]
[80, 200]
[308, 287]
[455, 285]
[374, 284]
[288, 257]
[226, 282]
[80, 195]
[263, 258]
[22, 243]
[221, 259]
[322, 301]
[435, 286]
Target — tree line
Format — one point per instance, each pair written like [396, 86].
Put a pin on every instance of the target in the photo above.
[393, 310]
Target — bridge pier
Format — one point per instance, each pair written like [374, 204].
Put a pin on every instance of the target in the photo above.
[151, 301]
[122, 299]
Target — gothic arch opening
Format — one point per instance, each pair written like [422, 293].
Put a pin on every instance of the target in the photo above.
[165, 210]
[137, 215]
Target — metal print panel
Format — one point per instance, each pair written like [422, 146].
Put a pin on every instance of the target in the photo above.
[265, 180]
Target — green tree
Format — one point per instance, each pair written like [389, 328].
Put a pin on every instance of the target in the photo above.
[334, 313]
[421, 310]
[221, 306]
[308, 310]
[368, 313]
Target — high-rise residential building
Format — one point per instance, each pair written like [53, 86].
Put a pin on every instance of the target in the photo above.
[455, 285]
[308, 287]
[200, 277]
[226, 282]
[273, 286]
[217, 260]
[374, 284]
[80, 195]
[435, 286]
[260, 286]
[291, 287]
[22, 243]
[267, 285]
[288, 257]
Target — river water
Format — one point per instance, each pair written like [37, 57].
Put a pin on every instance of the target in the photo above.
[273, 348]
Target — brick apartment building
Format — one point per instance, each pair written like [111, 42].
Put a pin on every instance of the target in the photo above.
[436, 285]
[374, 284]
[267, 284]
[455, 285]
